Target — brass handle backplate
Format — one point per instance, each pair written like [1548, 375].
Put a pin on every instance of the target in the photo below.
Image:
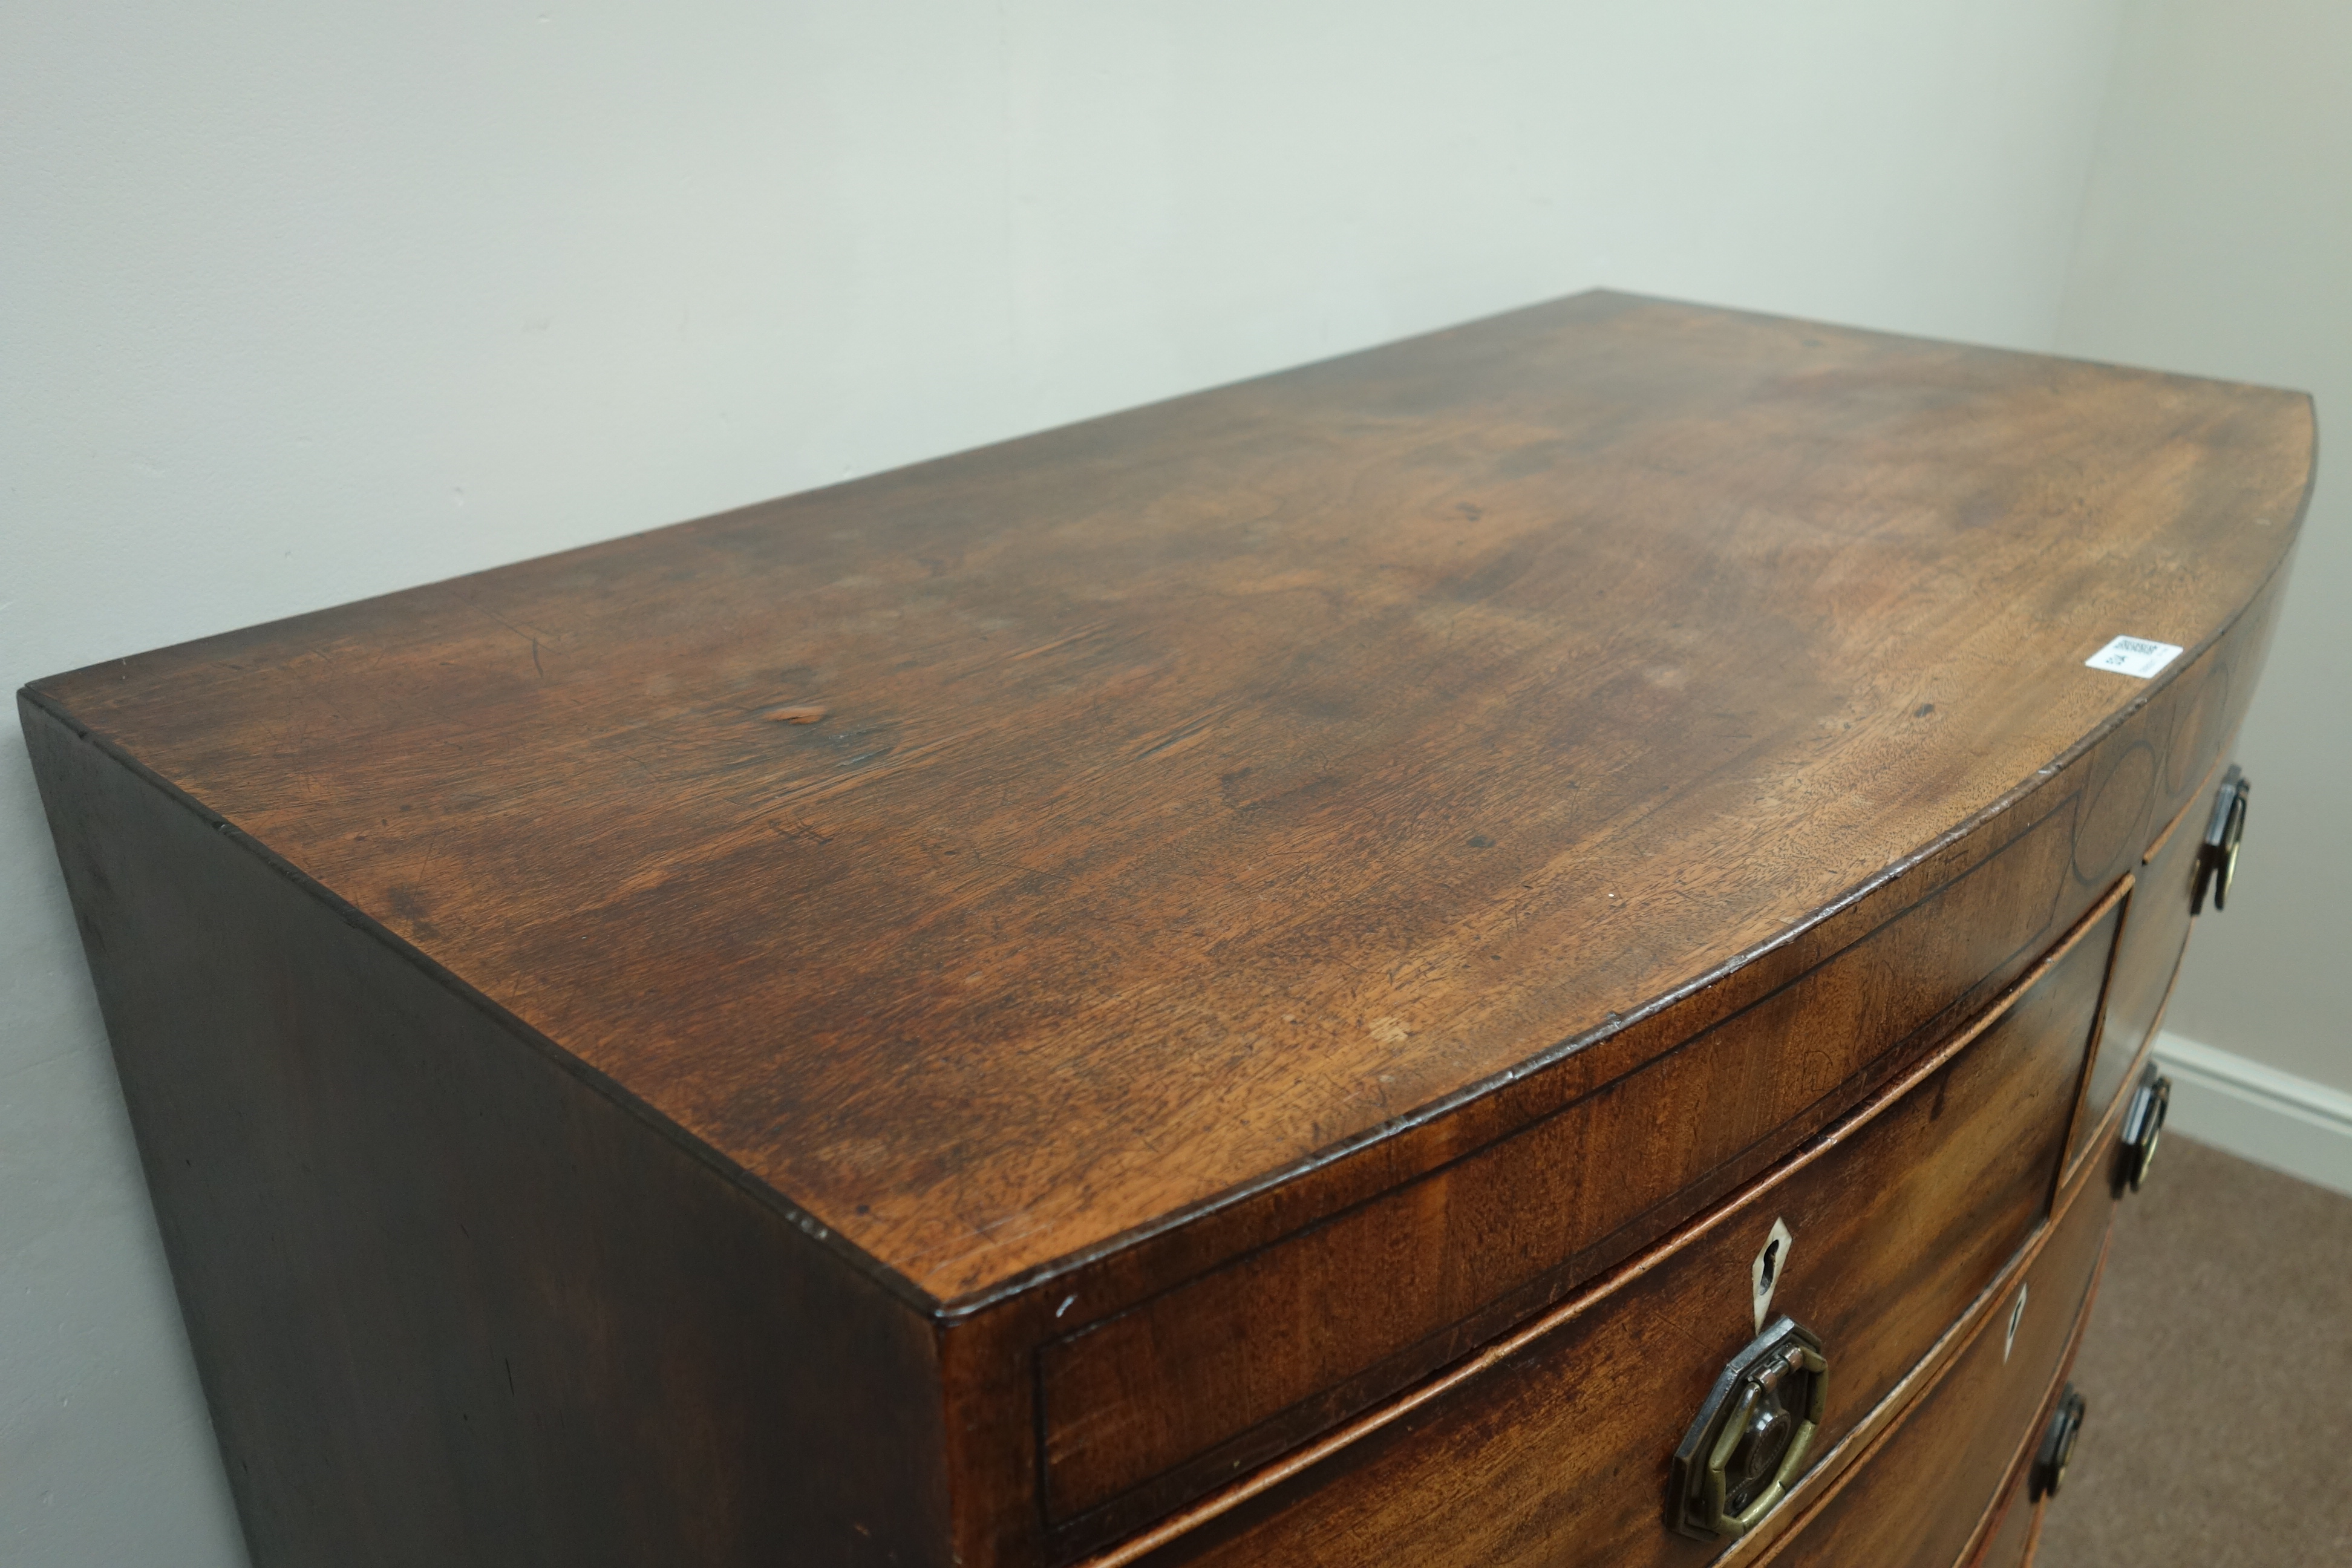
[2143, 1125]
[2217, 857]
[2057, 1444]
[1750, 1440]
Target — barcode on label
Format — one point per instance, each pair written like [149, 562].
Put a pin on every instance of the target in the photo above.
[2134, 656]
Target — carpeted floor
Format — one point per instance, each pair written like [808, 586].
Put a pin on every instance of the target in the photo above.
[2218, 1371]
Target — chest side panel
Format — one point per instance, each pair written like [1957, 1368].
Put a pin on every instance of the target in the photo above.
[450, 1302]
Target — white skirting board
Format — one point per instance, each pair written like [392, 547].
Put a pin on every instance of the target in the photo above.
[2258, 1113]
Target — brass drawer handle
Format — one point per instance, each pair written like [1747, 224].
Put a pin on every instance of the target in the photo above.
[2057, 1446]
[2143, 1125]
[1750, 1440]
[2217, 857]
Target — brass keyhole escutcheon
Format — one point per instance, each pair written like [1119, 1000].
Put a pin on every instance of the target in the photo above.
[1764, 1274]
[1750, 1440]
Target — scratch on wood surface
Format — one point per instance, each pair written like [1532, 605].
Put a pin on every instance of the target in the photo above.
[898, 762]
[527, 633]
[1182, 735]
[1090, 629]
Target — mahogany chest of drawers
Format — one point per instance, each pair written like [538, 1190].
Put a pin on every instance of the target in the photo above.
[1534, 946]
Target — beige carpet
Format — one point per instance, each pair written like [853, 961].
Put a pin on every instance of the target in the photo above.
[2218, 1372]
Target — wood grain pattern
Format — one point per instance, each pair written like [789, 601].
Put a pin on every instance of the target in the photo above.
[1560, 1452]
[1918, 1501]
[1513, 1227]
[1205, 789]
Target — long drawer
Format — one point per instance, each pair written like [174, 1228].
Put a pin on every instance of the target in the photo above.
[1920, 1500]
[1554, 1445]
[2015, 1527]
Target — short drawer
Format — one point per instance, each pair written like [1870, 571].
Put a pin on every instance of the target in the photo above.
[1555, 1445]
[1917, 1500]
[2147, 955]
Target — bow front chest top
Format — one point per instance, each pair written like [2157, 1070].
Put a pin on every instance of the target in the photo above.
[1533, 946]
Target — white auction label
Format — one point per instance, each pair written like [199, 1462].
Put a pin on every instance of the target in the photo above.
[2134, 656]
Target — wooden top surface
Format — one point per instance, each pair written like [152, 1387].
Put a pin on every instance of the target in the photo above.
[1189, 792]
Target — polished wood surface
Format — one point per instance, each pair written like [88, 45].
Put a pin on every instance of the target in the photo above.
[1517, 1223]
[1213, 788]
[1187, 976]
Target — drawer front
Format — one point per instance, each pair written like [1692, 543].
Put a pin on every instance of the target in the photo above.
[2147, 955]
[1917, 1500]
[2010, 1545]
[1556, 1446]
[1241, 1365]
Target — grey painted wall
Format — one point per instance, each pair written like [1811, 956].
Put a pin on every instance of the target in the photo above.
[299, 304]
[2216, 239]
